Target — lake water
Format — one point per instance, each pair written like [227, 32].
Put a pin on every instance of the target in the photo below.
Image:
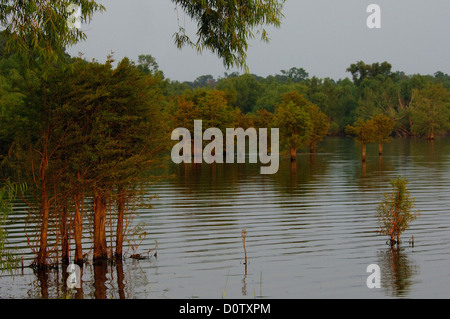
[311, 231]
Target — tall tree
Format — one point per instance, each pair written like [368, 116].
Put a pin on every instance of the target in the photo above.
[361, 70]
[215, 110]
[320, 126]
[204, 81]
[294, 121]
[147, 64]
[430, 112]
[384, 126]
[247, 91]
[293, 74]
[364, 133]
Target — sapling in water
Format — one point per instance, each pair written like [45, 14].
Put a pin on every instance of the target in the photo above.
[395, 212]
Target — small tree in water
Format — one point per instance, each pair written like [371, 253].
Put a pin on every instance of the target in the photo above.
[395, 212]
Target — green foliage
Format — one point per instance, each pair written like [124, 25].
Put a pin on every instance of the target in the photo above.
[395, 212]
[185, 113]
[246, 91]
[320, 126]
[40, 27]
[383, 128]
[377, 95]
[293, 74]
[294, 121]
[363, 131]
[93, 127]
[209, 105]
[215, 110]
[343, 111]
[377, 129]
[263, 119]
[225, 26]
[204, 81]
[361, 71]
[147, 64]
[110, 123]
[430, 112]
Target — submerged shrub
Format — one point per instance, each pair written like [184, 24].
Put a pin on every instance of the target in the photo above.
[395, 212]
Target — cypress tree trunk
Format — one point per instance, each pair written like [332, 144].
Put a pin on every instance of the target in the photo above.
[45, 212]
[43, 283]
[363, 158]
[394, 232]
[293, 153]
[78, 229]
[431, 134]
[45, 205]
[64, 237]
[100, 248]
[380, 148]
[119, 230]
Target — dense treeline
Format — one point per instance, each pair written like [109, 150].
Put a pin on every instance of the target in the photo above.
[418, 104]
[373, 104]
[83, 134]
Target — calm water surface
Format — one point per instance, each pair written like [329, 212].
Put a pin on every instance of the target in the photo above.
[311, 231]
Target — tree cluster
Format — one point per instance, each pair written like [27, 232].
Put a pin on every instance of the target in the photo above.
[378, 129]
[374, 105]
[418, 104]
[83, 136]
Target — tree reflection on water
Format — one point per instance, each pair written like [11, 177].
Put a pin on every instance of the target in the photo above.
[98, 281]
[397, 271]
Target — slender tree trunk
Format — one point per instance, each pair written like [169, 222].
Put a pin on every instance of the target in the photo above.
[394, 231]
[380, 148]
[64, 237]
[293, 153]
[42, 275]
[45, 212]
[78, 229]
[431, 134]
[100, 248]
[312, 148]
[363, 158]
[120, 230]
[103, 229]
[45, 205]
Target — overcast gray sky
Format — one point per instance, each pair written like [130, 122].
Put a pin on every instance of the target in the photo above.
[322, 36]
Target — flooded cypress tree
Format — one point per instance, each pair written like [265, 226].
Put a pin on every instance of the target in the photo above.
[294, 121]
[364, 133]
